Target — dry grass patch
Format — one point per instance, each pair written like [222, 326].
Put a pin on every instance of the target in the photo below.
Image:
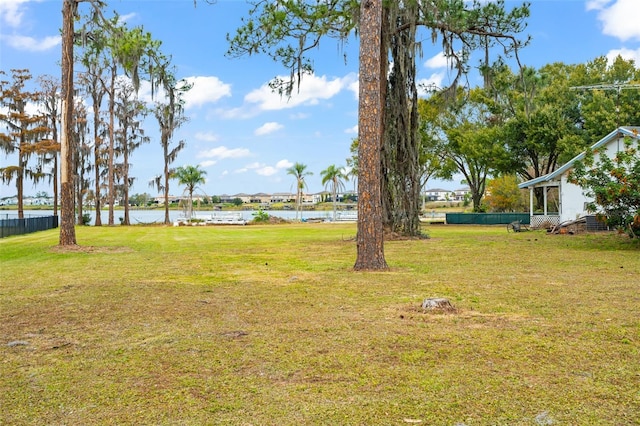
[269, 325]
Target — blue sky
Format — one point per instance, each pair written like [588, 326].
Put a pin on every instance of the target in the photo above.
[244, 135]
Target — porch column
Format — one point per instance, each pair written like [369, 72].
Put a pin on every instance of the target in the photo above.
[531, 201]
[545, 200]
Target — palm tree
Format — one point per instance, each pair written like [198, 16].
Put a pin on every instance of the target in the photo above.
[333, 177]
[191, 176]
[298, 171]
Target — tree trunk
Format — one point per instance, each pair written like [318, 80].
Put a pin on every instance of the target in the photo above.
[111, 171]
[125, 180]
[20, 178]
[165, 144]
[334, 194]
[67, 227]
[400, 153]
[79, 219]
[97, 159]
[55, 178]
[370, 244]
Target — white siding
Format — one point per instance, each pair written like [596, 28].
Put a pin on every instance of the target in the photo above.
[573, 198]
[573, 201]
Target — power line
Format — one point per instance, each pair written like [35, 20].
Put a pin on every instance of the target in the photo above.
[618, 87]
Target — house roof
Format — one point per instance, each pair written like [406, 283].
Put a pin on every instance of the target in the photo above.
[625, 131]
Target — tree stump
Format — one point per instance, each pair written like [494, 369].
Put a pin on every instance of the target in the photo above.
[438, 304]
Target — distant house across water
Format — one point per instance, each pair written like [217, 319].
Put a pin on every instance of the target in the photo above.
[438, 194]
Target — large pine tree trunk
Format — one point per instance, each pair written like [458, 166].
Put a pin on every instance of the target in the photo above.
[370, 244]
[67, 226]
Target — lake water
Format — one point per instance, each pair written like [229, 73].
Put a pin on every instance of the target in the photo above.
[157, 216]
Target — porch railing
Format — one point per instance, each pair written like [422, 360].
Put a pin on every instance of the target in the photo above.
[538, 221]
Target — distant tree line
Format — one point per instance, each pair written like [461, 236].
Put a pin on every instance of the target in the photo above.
[111, 59]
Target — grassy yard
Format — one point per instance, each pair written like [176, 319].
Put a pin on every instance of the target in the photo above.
[268, 325]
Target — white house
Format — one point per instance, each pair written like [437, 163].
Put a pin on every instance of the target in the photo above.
[460, 193]
[570, 199]
[438, 194]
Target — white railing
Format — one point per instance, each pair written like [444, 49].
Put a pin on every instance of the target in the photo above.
[214, 219]
[539, 221]
[347, 216]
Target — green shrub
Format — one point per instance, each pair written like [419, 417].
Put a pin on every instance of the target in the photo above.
[260, 216]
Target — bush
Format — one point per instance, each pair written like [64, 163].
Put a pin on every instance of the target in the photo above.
[260, 216]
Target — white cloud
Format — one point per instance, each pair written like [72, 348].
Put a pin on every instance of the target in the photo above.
[352, 130]
[619, 18]
[312, 89]
[437, 61]
[264, 169]
[32, 108]
[11, 12]
[299, 116]
[208, 163]
[31, 44]
[596, 4]
[207, 136]
[240, 112]
[248, 167]
[223, 152]
[127, 17]
[144, 93]
[267, 171]
[267, 128]
[434, 81]
[206, 89]
[625, 53]
[284, 164]
[354, 87]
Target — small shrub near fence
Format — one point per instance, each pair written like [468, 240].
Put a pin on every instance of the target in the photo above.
[10, 227]
[487, 218]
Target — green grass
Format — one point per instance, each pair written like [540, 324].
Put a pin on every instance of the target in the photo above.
[269, 325]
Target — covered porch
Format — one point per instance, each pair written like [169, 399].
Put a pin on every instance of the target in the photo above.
[549, 213]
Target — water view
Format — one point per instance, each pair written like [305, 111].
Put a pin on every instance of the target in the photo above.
[157, 216]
